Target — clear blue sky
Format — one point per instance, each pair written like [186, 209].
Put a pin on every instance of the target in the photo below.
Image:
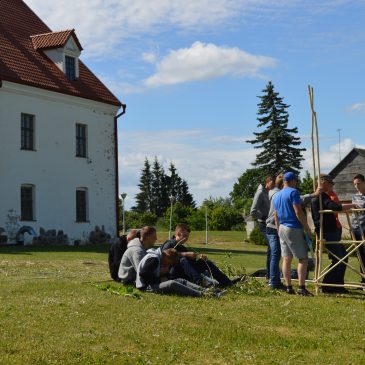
[190, 72]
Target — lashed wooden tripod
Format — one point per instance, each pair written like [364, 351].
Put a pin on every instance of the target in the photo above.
[353, 244]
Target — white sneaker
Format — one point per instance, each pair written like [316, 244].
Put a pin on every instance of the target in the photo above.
[220, 293]
[208, 281]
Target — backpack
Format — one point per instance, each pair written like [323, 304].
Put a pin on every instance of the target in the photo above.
[115, 255]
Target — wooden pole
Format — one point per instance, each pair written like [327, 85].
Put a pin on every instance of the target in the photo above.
[316, 173]
[312, 140]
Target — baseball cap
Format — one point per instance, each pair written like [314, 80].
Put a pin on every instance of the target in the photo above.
[289, 176]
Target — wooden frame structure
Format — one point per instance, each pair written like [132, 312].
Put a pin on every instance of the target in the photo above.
[352, 244]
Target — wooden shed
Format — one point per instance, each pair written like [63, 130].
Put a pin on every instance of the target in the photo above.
[353, 163]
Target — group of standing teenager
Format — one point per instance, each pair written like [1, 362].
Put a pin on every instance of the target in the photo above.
[280, 211]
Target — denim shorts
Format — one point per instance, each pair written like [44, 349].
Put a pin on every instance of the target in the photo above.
[292, 242]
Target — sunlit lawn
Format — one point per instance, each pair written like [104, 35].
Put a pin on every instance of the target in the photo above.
[53, 311]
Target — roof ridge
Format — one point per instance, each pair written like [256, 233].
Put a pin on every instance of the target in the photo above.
[49, 33]
[23, 35]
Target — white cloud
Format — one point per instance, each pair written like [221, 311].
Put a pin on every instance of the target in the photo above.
[105, 24]
[208, 169]
[206, 61]
[330, 156]
[356, 107]
[149, 57]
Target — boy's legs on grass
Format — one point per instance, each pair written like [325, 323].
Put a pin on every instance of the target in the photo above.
[178, 287]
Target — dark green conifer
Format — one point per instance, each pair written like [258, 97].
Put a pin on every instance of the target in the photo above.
[144, 197]
[277, 142]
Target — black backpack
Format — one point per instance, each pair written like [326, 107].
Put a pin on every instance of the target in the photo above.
[115, 255]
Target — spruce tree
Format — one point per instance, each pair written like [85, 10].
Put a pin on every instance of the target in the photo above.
[156, 188]
[174, 182]
[179, 188]
[144, 197]
[277, 141]
[185, 197]
[306, 185]
[159, 189]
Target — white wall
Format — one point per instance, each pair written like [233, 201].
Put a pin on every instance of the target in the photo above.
[53, 167]
[57, 55]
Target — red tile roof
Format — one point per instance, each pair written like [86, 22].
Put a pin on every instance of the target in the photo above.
[54, 39]
[21, 63]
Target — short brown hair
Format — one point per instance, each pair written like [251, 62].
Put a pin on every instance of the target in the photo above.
[359, 176]
[171, 255]
[133, 233]
[147, 231]
[182, 226]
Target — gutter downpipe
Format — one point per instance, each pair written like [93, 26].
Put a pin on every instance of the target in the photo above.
[117, 215]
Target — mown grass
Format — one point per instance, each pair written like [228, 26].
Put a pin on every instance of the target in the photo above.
[197, 237]
[54, 311]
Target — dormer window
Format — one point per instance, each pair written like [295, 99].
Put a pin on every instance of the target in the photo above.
[63, 48]
[70, 70]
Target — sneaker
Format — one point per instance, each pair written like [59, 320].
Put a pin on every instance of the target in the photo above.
[278, 287]
[290, 290]
[220, 293]
[213, 292]
[207, 281]
[304, 292]
[237, 279]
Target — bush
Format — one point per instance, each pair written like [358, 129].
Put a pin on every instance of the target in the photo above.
[196, 220]
[257, 238]
[223, 218]
[139, 220]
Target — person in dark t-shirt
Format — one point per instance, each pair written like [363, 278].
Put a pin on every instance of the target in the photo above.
[193, 266]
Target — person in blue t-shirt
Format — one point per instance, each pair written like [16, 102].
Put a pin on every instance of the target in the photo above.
[291, 223]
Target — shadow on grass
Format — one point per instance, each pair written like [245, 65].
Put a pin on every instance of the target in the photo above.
[213, 251]
[104, 248]
[29, 250]
[358, 295]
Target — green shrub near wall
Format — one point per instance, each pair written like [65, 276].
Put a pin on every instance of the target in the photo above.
[257, 238]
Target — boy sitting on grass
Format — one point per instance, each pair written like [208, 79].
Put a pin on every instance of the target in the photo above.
[136, 250]
[193, 266]
[153, 275]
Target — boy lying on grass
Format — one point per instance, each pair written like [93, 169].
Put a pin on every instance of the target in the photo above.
[153, 275]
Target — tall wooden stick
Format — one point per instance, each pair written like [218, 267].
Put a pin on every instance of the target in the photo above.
[316, 172]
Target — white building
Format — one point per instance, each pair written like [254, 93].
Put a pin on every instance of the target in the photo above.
[58, 132]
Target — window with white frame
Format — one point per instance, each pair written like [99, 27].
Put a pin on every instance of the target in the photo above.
[82, 205]
[27, 132]
[27, 202]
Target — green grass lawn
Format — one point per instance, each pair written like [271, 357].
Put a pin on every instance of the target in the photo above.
[53, 311]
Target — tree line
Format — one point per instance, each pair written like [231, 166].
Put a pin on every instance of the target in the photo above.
[280, 151]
